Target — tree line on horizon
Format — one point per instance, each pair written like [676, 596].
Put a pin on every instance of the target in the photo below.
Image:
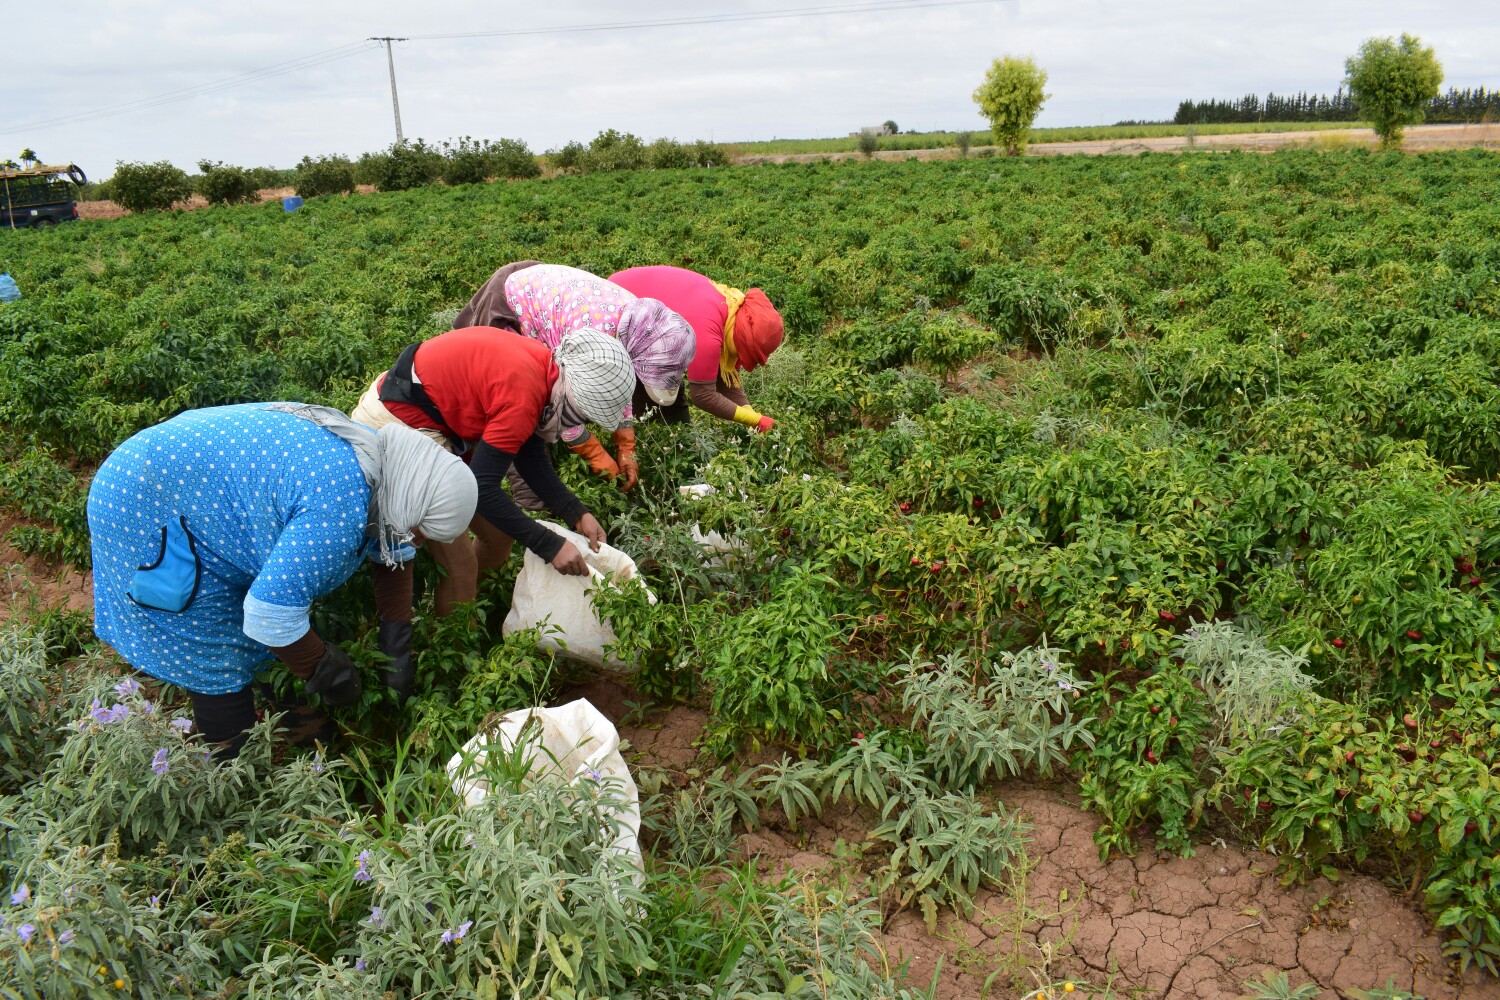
[1458, 105]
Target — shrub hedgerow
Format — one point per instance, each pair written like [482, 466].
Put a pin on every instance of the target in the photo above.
[221, 184]
[148, 187]
[325, 175]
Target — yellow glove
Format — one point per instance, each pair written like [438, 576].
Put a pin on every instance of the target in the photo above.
[752, 419]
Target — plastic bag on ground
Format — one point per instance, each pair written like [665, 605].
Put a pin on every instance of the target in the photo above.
[712, 543]
[575, 741]
[543, 595]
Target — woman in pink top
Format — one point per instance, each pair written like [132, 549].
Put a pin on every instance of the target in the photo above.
[546, 302]
[736, 332]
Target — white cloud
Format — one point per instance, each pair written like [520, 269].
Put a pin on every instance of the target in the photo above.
[809, 76]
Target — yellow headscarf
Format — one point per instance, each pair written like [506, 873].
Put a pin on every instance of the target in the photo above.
[729, 370]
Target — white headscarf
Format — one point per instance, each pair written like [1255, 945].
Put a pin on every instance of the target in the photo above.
[414, 482]
[422, 486]
[600, 377]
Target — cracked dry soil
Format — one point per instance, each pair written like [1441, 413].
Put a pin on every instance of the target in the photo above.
[1148, 926]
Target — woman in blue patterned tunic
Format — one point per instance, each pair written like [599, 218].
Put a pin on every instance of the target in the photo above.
[214, 532]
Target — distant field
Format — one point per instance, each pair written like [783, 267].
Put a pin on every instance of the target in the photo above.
[1081, 133]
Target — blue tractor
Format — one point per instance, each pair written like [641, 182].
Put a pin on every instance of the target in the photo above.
[39, 196]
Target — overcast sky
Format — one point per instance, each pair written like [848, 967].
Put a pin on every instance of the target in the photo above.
[795, 77]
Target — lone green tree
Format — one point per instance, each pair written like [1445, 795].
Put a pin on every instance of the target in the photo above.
[1010, 97]
[1391, 82]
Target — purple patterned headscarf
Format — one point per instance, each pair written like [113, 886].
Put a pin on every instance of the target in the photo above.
[660, 342]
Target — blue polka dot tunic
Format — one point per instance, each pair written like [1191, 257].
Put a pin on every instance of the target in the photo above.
[278, 507]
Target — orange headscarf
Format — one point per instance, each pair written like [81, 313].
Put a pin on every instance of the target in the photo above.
[752, 330]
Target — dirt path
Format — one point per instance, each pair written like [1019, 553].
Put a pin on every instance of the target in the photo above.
[1421, 138]
[31, 583]
[1150, 926]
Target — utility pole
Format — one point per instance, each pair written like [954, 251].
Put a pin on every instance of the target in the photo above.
[391, 62]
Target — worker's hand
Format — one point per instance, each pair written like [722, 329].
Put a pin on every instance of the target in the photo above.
[395, 642]
[335, 679]
[625, 457]
[764, 425]
[600, 462]
[588, 526]
[569, 561]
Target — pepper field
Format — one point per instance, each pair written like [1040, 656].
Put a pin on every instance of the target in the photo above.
[1127, 537]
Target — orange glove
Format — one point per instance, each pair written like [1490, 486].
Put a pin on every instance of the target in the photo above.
[764, 424]
[625, 455]
[599, 461]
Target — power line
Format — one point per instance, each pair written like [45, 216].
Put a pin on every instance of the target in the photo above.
[876, 7]
[355, 48]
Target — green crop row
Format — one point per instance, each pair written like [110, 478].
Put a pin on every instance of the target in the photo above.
[1091, 406]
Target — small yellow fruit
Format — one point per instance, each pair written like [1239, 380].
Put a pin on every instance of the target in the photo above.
[103, 970]
[119, 984]
[1068, 987]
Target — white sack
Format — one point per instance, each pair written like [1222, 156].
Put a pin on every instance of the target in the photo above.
[544, 593]
[712, 543]
[575, 741]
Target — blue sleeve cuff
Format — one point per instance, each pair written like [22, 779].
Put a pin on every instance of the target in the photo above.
[274, 625]
[404, 554]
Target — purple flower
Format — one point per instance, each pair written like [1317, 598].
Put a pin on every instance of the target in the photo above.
[1064, 685]
[66, 937]
[147, 708]
[159, 761]
[183, 726]
[114, 713]
[595, 774]
[377, 917]
[362, 873]
[126, 688]
[451, 936]
[359, 965]
[25, 931]
[317, 764]
[21, 895]
[156, 902]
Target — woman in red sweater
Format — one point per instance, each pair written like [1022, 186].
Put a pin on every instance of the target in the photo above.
[736, 332]
[498, 399]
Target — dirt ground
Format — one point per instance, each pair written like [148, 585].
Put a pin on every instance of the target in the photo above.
[30, 582]
[1149, 926]
[1420, 138]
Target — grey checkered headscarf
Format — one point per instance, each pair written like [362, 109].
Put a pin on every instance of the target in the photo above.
[600, 377]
